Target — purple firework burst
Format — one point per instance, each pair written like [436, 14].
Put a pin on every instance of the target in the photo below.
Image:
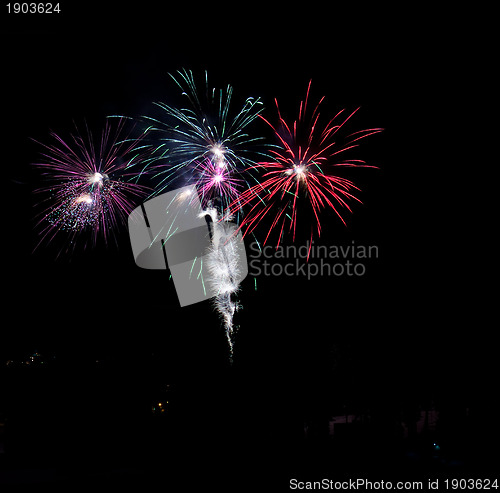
[88, 186]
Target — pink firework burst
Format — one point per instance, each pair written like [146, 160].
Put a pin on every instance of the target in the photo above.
[301, 171]
[216, 181]
[86, 188]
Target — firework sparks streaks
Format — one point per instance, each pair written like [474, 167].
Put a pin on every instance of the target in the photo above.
[206, 143]
[223, 263]
[301, 172]
[86, 190]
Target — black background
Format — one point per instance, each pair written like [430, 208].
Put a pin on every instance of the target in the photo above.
[413, 330]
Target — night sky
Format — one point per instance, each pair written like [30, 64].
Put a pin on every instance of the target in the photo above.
[411, 331]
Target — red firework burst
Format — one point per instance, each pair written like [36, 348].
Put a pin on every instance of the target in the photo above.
[302, 168]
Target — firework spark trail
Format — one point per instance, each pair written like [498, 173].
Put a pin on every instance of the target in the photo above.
[302, 168]
[208, 145]
[223, 265]
[86, 188]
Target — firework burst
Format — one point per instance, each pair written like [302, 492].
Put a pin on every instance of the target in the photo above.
[207, 143]
[216, 182]
[301, 172]
[86, 188]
